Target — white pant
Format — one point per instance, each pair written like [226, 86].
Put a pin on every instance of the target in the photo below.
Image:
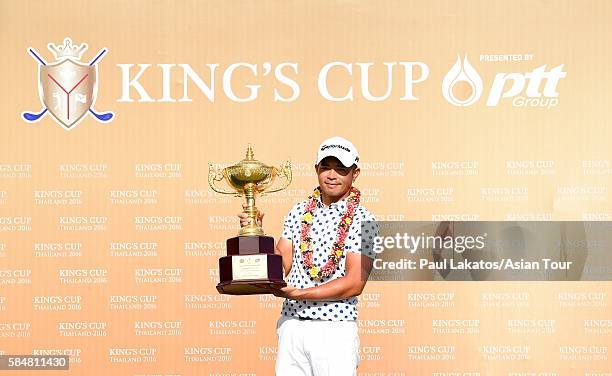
[316, 347]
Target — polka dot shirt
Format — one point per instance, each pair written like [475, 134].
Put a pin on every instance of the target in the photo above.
[323, 234]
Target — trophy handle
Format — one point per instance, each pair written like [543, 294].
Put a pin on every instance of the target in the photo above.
[283, 172]
[215, 175]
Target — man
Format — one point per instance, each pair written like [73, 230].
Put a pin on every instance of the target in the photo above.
[326, 269]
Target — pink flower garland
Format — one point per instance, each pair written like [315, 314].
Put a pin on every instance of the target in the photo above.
[337, 249]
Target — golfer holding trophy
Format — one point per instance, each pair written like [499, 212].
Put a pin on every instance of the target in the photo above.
[323, 260]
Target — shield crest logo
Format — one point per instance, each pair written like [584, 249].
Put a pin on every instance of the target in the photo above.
[68, 90]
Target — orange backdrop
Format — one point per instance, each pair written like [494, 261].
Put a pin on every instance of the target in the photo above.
[110, 235]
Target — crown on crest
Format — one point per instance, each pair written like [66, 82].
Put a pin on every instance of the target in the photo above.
[67, 50]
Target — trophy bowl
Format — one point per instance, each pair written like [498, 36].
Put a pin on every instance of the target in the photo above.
[240, 175]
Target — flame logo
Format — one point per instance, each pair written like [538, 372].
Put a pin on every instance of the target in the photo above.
[462, 85]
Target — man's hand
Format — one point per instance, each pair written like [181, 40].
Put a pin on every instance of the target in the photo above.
[244, 218]
[288, 292]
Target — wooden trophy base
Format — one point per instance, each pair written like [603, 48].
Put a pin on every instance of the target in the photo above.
[250, 264]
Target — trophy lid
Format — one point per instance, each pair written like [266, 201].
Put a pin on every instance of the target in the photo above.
[248, 170]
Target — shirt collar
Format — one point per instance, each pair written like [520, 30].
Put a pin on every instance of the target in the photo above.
[339, 205]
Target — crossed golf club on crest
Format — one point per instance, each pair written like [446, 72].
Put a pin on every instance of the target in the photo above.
[67, 79]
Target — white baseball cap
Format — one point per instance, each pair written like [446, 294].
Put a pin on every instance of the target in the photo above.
[340, 148]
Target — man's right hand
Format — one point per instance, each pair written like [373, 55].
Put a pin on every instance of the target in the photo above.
[244, 218]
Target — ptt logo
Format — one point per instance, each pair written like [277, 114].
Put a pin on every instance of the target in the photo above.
[67, 88]
[462, 86]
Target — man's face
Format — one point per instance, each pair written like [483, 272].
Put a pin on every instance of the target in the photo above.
[335, 179]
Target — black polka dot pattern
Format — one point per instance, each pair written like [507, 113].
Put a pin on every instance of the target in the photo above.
[323, 233]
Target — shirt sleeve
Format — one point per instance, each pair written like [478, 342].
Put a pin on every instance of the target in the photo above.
[360, 238]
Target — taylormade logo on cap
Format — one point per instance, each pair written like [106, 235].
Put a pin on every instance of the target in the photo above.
[340, 148]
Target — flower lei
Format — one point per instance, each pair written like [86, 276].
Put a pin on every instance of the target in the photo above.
[337, 249]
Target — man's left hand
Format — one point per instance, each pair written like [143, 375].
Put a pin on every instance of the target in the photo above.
[288, 292]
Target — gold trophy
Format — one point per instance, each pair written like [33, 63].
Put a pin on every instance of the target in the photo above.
[250, 263]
